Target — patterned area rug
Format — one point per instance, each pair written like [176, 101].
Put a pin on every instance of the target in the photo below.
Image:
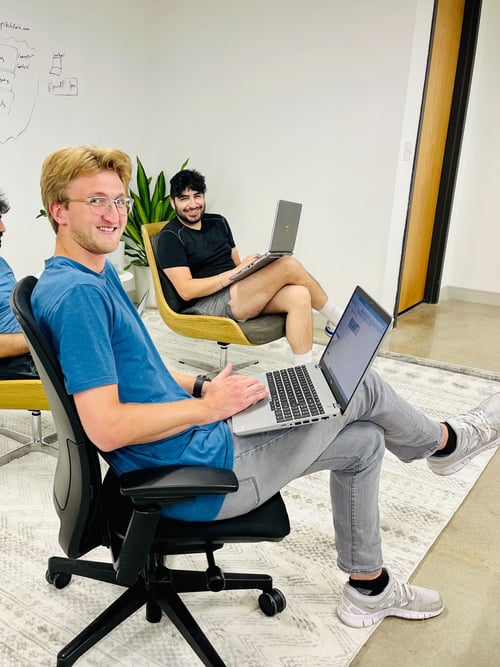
[36, 620]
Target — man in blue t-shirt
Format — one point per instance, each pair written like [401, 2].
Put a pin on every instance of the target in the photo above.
[140, 415]
[15, 361]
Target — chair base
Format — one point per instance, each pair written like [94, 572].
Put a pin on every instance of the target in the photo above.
[159, 592]
[34, 443]
[213, 370]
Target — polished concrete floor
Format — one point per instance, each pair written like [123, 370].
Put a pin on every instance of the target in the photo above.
[464, 563]
[457, 332]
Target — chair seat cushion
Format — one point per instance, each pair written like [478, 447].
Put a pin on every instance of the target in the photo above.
[264, 329]
[269, 521]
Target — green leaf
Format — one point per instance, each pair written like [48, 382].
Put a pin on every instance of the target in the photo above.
[143, 187]
[147, 208]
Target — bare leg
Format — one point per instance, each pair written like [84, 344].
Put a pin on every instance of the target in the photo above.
[250, 296]
[295, 301]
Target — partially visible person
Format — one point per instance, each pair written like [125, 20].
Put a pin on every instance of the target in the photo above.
[198, 254]
[16, 362]
[141, 415]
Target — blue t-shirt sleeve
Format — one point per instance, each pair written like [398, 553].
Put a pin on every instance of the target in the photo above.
[8, 323]
[90, 363]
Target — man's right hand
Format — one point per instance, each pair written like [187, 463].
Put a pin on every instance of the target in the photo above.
[228, 394]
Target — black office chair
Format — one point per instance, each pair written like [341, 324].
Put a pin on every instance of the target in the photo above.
[123, 514]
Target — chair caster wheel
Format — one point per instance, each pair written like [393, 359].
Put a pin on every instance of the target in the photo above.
[273, 602]
[153, 612]
[58, 579]
[215, 579]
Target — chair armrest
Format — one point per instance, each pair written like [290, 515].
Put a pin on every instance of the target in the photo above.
[151, 488]
[166, 484]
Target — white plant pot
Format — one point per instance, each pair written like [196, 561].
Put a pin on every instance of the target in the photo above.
[143, 282]
[117, 257]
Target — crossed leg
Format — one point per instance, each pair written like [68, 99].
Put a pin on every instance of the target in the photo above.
[281, 287]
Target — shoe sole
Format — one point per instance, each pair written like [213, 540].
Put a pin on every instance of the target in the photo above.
[366, 621]
[458, 465]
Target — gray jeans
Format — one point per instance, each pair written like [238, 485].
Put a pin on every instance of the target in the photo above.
[352, 447]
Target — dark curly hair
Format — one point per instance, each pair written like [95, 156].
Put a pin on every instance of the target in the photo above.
[4, 204]
[187, 179]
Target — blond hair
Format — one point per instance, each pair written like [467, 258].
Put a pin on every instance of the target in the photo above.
[66, 164]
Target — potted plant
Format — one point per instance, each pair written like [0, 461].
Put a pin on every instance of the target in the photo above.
[148, 207]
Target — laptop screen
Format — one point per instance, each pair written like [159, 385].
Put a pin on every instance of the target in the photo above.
[356, 340]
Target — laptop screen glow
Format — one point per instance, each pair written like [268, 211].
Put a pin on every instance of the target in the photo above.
[353, 345]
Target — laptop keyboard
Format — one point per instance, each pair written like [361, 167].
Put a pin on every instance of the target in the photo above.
[292, 394]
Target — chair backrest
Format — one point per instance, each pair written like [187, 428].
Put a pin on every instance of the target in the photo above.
[174, 301]
[77, 479]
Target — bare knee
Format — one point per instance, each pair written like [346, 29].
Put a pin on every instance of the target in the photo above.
[293, 299]
[299, 297]
[291, 267]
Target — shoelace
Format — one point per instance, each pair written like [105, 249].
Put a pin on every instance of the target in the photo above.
[403, 593]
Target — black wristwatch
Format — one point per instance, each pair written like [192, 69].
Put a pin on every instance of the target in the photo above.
[198, 385]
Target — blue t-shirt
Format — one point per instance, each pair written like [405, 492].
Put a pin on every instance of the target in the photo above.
[8, 323]
[100, 339]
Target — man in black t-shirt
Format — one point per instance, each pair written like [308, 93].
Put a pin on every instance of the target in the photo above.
[198, 254]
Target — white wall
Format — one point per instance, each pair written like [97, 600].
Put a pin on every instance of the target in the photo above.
[305, 101]
[271, 99]
[473, 245]
[107, 52]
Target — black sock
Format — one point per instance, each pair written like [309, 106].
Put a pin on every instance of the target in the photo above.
[371, 586]
[451, 445]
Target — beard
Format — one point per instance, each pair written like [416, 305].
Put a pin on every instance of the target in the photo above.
[190, 220]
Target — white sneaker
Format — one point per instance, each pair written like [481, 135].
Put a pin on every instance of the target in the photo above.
[398, 599]
[476, 431]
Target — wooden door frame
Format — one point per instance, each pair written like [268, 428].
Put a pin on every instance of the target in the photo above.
[458, 111]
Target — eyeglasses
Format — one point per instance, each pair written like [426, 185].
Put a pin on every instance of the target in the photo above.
[103, 204]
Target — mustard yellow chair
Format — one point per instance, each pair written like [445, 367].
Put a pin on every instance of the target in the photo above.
[26, 395]
[223, 330]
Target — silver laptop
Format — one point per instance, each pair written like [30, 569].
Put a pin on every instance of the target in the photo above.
[286, 224]
[305, 394]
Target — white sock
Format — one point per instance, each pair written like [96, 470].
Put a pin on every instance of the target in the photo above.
[331, 311]
[306, 358]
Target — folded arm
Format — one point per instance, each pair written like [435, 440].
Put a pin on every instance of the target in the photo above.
[12, 345]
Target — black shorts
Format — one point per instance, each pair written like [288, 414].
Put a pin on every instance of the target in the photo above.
[21, 367]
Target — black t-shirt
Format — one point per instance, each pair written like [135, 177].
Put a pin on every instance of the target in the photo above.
[206, 251]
